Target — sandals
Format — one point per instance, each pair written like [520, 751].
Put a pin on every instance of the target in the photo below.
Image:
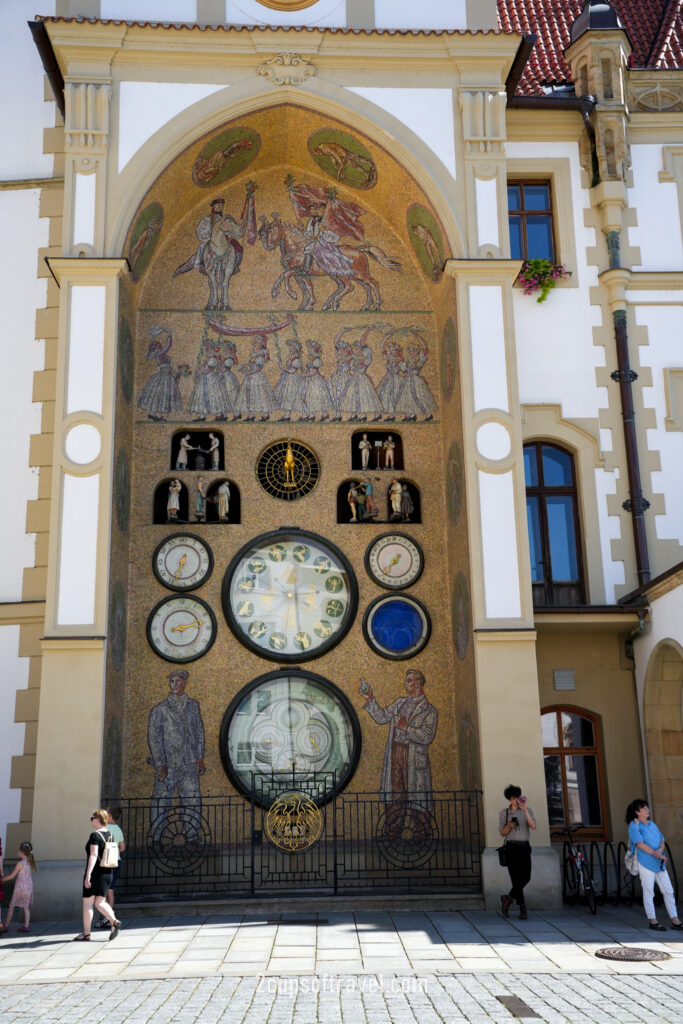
[115, 929]
[657, 927]
[23, 929]
[81, 938]
[678, 927]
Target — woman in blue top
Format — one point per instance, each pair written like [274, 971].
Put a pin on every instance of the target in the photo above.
[644, 836]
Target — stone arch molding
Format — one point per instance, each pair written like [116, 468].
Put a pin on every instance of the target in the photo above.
[169, 141]
[663, 721]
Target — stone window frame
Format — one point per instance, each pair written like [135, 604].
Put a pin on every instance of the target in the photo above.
[591, 832]
[523, 214]
[555, 170]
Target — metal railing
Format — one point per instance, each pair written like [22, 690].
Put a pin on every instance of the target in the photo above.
[223, 846]
[612, 882]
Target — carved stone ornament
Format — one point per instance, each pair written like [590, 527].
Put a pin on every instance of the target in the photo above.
[86, 126]
[483, 120]
[658, 98]
[287, 69]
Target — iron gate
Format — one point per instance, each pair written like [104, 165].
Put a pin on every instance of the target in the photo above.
[226, 846]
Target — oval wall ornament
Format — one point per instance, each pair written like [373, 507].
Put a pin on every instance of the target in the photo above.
[287, 5]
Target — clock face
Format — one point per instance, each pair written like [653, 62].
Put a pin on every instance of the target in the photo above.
[289, 595]
[182, 562]
[290, 731]
[397, 626]
[394, 561]
[181, 628]
[287, 470]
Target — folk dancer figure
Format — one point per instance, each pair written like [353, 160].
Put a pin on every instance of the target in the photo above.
[390, 384]
[200, 501]
[360, 399]
[185, 447]
[223, 500]
[361, 499]
[232, 386]
[407, 507]
[160, 395]
[289, 387]
[256, 395]
[341, 377]
[406, 781]
[389, 448]
[395, 498]
[176, 742]
[365, 447]
[415, 398]
[173, 503]
[209, 396]
[352, 498]
[371, 510]
[214, 451]
[315, 397]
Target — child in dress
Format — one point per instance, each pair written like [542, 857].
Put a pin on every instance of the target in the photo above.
[23, 887]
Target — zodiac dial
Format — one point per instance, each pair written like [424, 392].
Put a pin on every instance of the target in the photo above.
[289, 595]
[181, 628]
[394, 561]
[290, 730]
[182, 561]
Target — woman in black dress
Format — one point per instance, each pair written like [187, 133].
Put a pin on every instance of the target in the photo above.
[97, 880]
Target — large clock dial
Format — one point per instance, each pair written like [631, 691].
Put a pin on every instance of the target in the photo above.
[394, 560]
[182, 561]
[289, 595]
[293, 730]
[181, 628]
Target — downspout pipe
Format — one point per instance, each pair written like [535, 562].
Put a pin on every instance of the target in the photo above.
[50, 65]
[583, 105]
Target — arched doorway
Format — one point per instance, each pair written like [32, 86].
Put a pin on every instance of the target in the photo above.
[663, 720]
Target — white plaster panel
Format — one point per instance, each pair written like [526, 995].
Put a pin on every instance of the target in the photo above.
[556, 357]
[21, 293]
[249, 12]
[14, 677]
[665, 330]
[487, 332]
[149, 10]
[493, 441]
[606, 443]
[427, 112]
[78, 550]
[84, 209]
[86, 349]
[145, 107]
[24, 111]
[657, 235]
[638, 296]
[487, 212]
[499, 546]
[427, 14]
[610, 529]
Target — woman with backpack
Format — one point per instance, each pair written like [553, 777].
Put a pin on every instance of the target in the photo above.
[98, 876]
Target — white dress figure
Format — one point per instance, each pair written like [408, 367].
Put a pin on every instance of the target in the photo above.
[415, 399]
[289, 387]
[342, 375]
[360, 398]
[230, 381]
[214, 451]
[223, 500]
[316, 398]
[390, 384]
[183, 451]
[395, 495]
[256, 396]
[209, 396]
[365, 448]
[173, 503]
[160, 394]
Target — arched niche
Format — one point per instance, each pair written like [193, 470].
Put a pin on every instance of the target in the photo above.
[407, 508]
[170, 503]
[385, 446]
[201, 454]
[223, 506]
[663, 721]
[353, 493]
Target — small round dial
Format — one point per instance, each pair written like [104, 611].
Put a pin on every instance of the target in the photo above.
[181, 628]
[397, 626]
[394, 561]
[289, 595]
[182, 561]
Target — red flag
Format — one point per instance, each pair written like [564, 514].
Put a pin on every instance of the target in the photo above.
[339, 216]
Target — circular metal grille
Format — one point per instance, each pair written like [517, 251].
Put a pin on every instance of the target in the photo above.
[288, 470]
[631, 953]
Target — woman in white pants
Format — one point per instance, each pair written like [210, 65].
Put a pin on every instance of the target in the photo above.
[645, 837]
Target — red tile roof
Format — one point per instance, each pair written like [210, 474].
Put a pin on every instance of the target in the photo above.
[655, 28]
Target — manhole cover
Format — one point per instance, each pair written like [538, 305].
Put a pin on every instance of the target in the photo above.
[635, 953]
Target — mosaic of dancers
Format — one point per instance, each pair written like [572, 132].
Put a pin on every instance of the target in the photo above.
[224, 388]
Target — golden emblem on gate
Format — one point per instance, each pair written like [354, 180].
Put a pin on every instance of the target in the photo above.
[294, 822]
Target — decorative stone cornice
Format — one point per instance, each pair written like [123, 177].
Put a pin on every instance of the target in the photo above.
[86, 125]
[483, 119]
[287, 69]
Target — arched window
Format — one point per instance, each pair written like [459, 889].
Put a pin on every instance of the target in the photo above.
[574, 773]
[553, 524]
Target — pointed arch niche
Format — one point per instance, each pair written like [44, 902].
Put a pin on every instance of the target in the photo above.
[663, 721]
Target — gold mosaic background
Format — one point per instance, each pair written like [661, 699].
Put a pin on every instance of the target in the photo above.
[416, 297]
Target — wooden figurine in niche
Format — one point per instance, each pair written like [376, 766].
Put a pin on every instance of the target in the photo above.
[200, 500]
[407, 507]
[194, 451]
[183, 452]
[395, 497]
[404, 502]
[214, 451]
[365, 447]
[352, 499]
[173, 504]
[170, 502]
[223, 500]
[389, 448]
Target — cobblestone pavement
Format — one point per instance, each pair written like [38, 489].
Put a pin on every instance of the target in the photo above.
[347, 968]
[350, 999]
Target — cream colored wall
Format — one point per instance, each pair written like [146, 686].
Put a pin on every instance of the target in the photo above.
[605, 686]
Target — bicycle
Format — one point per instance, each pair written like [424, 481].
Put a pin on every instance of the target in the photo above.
[576, 876]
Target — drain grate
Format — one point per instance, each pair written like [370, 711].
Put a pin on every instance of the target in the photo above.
[518, 1007]
[631, 953]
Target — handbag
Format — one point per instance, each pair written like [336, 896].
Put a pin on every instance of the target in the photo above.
[110, 854]
[631, 861]
[501, 851]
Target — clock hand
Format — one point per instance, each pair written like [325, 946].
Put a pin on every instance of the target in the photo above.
[181, 563]
[394, 560]
[190, 625]
[313, 743]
